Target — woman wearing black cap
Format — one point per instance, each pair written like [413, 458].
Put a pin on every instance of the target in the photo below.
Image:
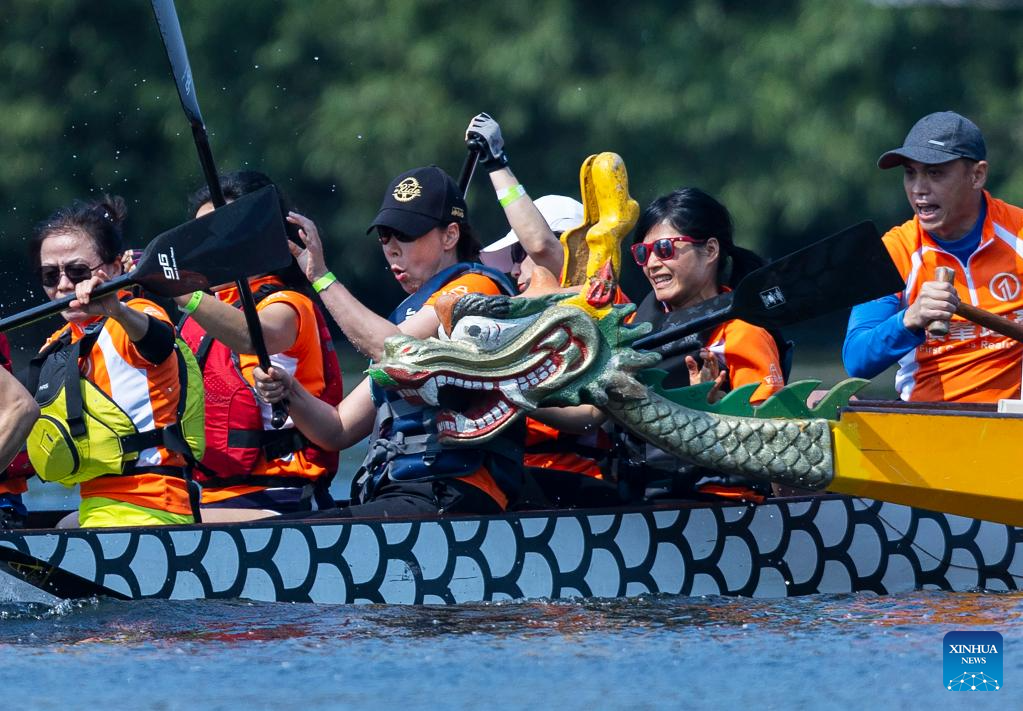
[423, 229]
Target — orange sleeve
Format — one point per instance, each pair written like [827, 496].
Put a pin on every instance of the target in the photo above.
[468, 283]
[751, 356]
[302, 307]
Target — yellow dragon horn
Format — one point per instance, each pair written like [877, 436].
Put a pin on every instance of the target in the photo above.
[593, 249]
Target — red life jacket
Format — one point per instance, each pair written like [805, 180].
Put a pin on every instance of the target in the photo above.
[235, 434]
[12, 479]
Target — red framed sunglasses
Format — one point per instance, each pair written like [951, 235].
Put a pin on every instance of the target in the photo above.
[664, 248]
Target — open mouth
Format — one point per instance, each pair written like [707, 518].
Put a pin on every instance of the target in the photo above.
[474, 406]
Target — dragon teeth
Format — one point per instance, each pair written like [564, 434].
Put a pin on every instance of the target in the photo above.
[428, 390]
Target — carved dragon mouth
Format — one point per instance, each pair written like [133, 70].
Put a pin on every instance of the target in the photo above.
[474, 405]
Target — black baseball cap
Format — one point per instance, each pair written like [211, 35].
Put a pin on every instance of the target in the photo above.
[938, 138]
[419, 200]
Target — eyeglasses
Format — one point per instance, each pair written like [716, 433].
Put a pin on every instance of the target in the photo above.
[664, 248]
[75, 271]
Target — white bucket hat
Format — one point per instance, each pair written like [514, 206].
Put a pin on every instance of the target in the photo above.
[561, 213]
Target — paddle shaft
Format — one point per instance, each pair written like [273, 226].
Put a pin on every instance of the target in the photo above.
[51, 579]
[52, 308]
[993, 322]
[177, 55]
[974, 314]
[472, 157]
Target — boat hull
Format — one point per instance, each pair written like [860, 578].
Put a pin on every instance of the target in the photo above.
[785, 547]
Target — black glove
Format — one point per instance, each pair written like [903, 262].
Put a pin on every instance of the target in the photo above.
[484, 133]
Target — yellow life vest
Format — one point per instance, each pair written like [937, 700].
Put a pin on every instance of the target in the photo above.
[82, 433]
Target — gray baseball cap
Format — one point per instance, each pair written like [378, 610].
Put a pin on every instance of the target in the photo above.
[938, 138]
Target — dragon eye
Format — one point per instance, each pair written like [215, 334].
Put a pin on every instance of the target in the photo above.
[488, 334]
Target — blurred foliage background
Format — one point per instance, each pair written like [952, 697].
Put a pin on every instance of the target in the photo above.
[778, 108]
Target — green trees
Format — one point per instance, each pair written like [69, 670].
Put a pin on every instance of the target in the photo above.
[778, 108]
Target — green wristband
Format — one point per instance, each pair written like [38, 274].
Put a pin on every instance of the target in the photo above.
[193, 303]
[323, 282]
[506, 196]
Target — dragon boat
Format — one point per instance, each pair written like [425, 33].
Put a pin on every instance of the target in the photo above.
[908, 496]
[786, 546]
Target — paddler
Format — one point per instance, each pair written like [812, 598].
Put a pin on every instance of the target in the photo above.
[250, 467]
[956, 224]
[685, 246]
[426, 238]
[121, 416]
[567, 448]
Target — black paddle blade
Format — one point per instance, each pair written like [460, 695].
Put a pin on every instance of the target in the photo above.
[174, 42]
[845, 269]
[848, 268]
[242, 239]
[51, 579]
[234, 242]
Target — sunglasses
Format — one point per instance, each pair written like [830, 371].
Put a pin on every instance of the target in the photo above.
[74, 271]
[386, 234]
[664, 248]
[518, 253]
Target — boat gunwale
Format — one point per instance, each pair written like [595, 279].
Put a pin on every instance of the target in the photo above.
[673, 505]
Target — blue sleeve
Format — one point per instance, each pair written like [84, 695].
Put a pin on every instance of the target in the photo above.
[876, 337]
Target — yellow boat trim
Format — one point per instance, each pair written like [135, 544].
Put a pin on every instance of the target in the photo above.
[965, 464]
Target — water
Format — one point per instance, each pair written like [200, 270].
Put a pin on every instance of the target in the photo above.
[818, 652]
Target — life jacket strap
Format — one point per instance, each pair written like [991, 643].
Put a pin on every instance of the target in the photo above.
[270, 482]
[275, 444]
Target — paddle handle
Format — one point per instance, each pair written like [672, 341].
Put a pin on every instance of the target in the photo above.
[52, 308]
[938, 328]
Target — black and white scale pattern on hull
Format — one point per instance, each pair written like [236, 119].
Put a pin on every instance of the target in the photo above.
[783, 548]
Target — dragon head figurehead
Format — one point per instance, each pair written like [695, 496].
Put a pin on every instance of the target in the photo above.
[507, 356]
[504, 356]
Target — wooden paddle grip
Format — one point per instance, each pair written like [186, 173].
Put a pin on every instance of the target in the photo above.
[940, 328]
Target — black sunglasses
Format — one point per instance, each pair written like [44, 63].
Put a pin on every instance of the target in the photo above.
[664, 248]
[75, 271]
[386, 234]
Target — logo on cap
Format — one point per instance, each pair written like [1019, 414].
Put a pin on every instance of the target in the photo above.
[458, 212]
[407, 190]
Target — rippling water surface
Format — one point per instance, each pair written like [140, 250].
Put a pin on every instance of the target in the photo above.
[835, 651]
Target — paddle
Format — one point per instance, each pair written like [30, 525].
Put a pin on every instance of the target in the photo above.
[242, 240]
[981, 317]
[177, 54]
[50, 578]
[472, 157]
[845, 269]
